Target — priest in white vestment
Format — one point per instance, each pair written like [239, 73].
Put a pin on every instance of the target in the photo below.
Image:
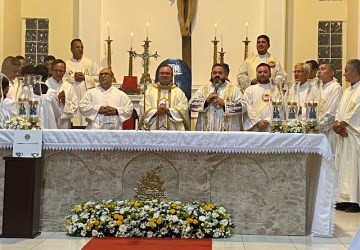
[7, 106]
[166, 106]
[10, 69]
[258, 99]
[105, 107]
[330, 93]
[219, 103]
[82, 73]
[247, 72]
[347, 128]
[64, 94]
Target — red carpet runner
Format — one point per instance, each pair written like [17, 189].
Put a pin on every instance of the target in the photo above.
[147, 244]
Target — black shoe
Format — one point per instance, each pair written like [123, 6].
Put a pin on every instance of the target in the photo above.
[342, 206]
[353, 208]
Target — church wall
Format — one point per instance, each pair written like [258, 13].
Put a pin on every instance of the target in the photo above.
[304, 32]
[60, 17]
[354, 29]
[11, 35]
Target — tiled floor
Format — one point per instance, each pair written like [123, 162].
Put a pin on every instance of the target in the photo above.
[346, 226]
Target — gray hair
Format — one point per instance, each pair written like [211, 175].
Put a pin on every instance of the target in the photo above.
[305, 67]
[354, 64]
[10, 61]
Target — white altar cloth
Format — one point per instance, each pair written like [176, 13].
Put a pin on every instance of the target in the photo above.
[214, 142]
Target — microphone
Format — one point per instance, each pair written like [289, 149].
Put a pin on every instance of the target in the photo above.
[217, 82]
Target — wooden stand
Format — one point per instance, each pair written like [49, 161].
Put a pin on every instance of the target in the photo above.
[21, 214]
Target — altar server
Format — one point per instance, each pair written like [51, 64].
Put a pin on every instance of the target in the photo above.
[105, 107]
[166, 106]
[347, 128]
[82, 73]
[219, 102]
[64, 93]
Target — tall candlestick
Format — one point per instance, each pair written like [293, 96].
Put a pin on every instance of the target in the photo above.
[147, 30]
[222, 42]
[108, 29]
[246, 26]
[131, 40]
[215, 30]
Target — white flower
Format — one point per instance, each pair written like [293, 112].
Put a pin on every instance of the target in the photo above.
[149, 234]
[215, 215]
[94, 233]
[202, 218]
[224, 222]
[123, 228]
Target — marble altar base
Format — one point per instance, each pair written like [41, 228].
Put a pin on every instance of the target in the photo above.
[267, 194]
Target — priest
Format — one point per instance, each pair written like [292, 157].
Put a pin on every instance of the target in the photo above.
[105, 107]
[257, 100]
[220, 103]
[347, 128]
[166, 106]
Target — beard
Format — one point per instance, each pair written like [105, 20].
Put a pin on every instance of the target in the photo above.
[217, 81]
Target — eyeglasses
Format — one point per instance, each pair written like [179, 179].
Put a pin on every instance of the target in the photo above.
[59, 71]
[105, 74]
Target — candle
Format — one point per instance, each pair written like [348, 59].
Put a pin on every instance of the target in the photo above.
[246, 28]
[147, 30]
[108, 29]
[215, 30]
[131, 40]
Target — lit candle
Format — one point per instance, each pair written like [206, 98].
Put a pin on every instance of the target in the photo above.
[108, 29]
[215, 30]
[246, 28]
[147, 30]
[131, 40]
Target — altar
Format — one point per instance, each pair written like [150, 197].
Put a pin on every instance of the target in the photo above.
[272, 184]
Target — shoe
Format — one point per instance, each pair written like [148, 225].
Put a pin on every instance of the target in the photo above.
[342, 206]
[353, 208]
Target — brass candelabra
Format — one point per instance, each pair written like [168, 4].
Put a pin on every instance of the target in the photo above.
[132, 54]
[222, 54]
[246, 52]
[215, 42]
[108, 41]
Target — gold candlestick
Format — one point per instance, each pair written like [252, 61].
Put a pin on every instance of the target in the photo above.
[108, 41]
[246, 47]
[215, 42]
[132, 54]
[222, 54]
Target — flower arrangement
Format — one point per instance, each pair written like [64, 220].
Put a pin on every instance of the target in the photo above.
[16, 123]
[149, 219]
[294, 126]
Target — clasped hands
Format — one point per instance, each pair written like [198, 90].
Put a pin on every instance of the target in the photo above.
[61, 97]
[162, 109]
[214, 98]
[340, 128]
[107, 110]
[79, 76]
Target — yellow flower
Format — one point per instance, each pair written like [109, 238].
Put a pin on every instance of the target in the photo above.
[195, 221]
[68, 222]
[90, 225]
[211, 205]
[172, 211]
[137, 204]
[85, 207]
[152, 224]
[159, 220]
[189, 220]
[118, 217]
[132, 203]
[222, 228]
[119, 222]
[207, 208]
[96, 222]
[174, 204]
[77, 208]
